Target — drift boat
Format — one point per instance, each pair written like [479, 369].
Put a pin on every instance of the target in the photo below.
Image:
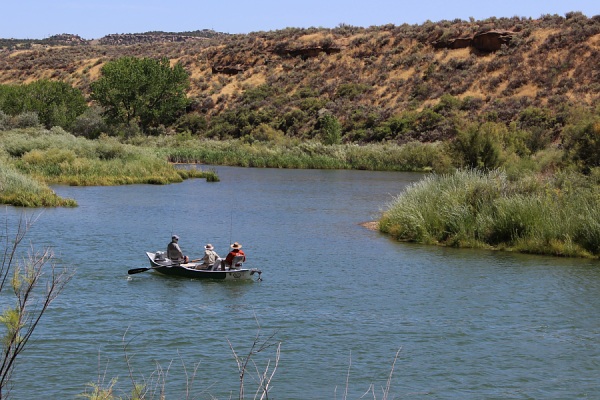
[163, 265]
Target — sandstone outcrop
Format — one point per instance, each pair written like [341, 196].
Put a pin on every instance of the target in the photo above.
[492, 40]
[485, 41]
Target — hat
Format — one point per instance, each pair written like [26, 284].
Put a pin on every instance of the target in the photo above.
[209, 247]
[175, 237]
[236, 245]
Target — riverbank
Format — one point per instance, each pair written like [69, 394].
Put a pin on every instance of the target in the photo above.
[33, 158]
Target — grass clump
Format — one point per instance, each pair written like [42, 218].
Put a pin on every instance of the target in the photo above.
[65, 159]
[21, 190]
[557, 215]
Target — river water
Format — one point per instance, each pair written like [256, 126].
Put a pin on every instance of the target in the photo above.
[340, 299]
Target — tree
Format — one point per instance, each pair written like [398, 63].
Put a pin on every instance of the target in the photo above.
[55, 103]
[141, 90]
[34, 290]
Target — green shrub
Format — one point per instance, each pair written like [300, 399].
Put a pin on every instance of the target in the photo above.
[582, 144]
[477, 147]
[4, 121]
[330, 129]
[351, 90]
[193, 123]
[90, 124]
[27, 119]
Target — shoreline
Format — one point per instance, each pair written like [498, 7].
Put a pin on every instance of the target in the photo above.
[370, 225]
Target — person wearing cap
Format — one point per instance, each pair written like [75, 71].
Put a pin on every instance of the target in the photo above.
[174, 251]
[209, 259]
[236, 250]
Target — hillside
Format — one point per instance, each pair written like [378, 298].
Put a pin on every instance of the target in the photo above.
[493, 69]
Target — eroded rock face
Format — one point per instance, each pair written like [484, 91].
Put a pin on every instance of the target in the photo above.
[485, 41]
[227, 69]
[491, 41]
[306, 52]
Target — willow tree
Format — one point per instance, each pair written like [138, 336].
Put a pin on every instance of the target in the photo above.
[35, 282]
[145, 91]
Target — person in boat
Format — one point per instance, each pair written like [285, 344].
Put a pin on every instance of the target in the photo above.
[174, 252]
[236, 250]
[210, 257]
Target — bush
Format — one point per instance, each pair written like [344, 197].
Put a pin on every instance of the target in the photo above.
[330, 129]
[192, 122]
[477, 147]
[27, 119]
[90, 124]
[582, 144]
[4, 121]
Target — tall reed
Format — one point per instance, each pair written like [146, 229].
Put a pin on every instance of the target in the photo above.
[472, 208]
[311, 155]
[21, 190]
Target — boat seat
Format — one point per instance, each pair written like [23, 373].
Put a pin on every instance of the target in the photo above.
[217, 265]
[237, 262]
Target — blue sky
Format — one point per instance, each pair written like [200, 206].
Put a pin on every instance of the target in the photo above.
[92, 19]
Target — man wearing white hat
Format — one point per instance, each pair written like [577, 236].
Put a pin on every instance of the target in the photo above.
[210, 257]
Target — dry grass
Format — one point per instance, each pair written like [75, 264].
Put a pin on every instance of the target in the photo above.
[313, 38]
[527, 90]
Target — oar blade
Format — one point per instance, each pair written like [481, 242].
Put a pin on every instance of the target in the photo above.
[137, 270]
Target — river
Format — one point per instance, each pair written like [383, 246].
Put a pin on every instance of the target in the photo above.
[340, 299]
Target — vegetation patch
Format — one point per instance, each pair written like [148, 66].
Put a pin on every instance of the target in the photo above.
[35, 157]
[558, 215]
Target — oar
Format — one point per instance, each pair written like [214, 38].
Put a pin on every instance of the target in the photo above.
[138, 270]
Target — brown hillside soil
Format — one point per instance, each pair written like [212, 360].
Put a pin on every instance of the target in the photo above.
[362, 75]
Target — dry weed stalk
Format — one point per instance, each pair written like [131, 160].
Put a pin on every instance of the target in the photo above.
[263, 378]
[371, 389]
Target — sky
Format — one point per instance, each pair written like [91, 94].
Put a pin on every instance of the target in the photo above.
[93, 19]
